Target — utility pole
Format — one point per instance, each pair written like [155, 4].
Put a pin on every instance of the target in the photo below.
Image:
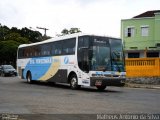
[45, 29]
[40, 35]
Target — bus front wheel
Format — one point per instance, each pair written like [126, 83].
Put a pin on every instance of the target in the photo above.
[101, 87]
[29, 77]
[74, 82]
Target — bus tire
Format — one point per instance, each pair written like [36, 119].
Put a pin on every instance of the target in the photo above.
[101, 88]
[74, 82]
[29, 78]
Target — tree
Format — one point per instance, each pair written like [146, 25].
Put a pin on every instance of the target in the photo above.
[4, 30]
[15, 30]
[74, 30]
[33, 36]
[46, 37]
[65, 31]
[8, 52]
[10, 39]
[17, 37]
[71, 31]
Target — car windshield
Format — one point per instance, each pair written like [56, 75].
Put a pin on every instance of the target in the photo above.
[8, 67]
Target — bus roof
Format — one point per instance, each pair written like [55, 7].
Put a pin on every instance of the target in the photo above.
[62, 38]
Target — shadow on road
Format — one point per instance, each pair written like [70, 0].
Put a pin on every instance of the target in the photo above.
[67, 87]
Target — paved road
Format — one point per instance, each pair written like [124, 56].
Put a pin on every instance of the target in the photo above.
[19, 97]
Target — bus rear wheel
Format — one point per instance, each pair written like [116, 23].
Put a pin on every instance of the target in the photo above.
[103, 87]
[74, 82]
[29, 77]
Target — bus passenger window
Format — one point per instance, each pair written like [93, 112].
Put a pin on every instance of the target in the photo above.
[69, 46]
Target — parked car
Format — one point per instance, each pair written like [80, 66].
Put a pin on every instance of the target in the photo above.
[7, 70]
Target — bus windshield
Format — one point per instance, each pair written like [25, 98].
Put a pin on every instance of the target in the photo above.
[94, 53]
[100, 54]
[117, 55]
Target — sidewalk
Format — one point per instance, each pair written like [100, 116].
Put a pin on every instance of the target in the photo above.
[149, 86]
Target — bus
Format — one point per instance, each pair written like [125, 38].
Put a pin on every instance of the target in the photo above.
[76, 59]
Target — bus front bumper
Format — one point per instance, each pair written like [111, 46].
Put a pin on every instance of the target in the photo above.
[109, 81]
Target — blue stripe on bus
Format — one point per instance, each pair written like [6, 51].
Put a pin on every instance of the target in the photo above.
[38, 67]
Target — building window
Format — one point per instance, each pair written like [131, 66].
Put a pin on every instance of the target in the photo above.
[152, 54]
[129, 32]
[133, 55]
[144, 30]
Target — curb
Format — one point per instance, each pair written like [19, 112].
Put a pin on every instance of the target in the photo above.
[142, 86]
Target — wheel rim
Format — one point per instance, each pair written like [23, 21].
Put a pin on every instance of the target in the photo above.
[29, 78]
[73, 82]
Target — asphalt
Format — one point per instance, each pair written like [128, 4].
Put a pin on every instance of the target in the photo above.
[148, 86]
[41, 101]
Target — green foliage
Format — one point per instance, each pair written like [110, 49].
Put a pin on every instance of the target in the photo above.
[16, 37]
[71, 31]
[8, 51]
[33, 36]
[10, 39]
[4, 30]
[74, 30]
[65, 32]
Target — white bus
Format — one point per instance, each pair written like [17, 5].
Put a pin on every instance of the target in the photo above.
[78, 59]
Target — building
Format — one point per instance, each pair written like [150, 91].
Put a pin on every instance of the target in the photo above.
[141, 35]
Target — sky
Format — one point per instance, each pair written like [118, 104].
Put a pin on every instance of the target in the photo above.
[102, 17]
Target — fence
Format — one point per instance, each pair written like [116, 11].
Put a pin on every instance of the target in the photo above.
[143, 67]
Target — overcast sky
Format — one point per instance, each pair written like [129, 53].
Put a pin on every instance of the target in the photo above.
[91, 16]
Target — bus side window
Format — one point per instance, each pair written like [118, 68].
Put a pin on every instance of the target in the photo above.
[45, 49]
[53, 48]
[69, 46]
[38, 50]
[56, 48]
[31, 52]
